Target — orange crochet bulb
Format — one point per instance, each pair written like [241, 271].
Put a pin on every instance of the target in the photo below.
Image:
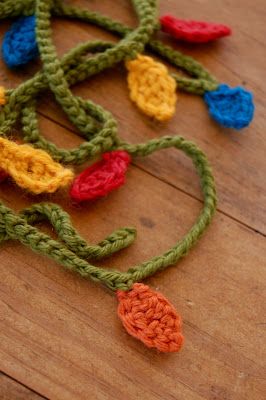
[149, 317]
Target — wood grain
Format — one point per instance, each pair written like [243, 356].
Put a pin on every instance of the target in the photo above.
[59, 334]
[67, 327]
[12, 390]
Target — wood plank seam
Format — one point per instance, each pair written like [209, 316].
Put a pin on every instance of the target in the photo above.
[21, 384]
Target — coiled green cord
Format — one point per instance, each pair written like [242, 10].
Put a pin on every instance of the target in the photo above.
[69, 253]
[99, 129]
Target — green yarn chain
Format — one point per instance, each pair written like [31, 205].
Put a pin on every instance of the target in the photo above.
[203, 80]
[73, 251]
[74, 67]
[99, 129]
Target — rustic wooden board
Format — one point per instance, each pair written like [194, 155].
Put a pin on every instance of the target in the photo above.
[59, 334]
[12, 390]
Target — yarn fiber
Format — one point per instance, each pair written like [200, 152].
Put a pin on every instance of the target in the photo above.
[101, 178]
[96, 125]
[38, 165]
[31, 168]
[15, 227]
[2, 96]
[148, 316]
[98, 128]
[230, 107]
[193, 31]
[19, 44]
[151, 87]
[88, 117]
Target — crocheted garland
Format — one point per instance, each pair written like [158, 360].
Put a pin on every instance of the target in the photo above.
[203, 83]
[73, 252]
[146, 314]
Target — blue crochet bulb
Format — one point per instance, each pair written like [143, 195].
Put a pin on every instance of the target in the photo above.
[19, 45]
[230, 107]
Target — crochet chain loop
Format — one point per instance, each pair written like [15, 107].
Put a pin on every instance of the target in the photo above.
[99, 129]
[60, 220]
[204, 82]
[95, 124]
[74, 251]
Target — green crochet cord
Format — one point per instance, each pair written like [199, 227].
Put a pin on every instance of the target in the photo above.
[92, 121]
[73, 251]
[204, 80]
[99, 129]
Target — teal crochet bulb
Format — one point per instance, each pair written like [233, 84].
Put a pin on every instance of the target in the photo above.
[230, 107]
[19, 44]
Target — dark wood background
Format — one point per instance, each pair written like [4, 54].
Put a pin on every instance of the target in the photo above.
[60, 337]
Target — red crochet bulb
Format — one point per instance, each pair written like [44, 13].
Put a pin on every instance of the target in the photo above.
[102, 177]
[193, 31]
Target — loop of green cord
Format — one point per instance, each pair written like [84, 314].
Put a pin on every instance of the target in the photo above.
[99, 129]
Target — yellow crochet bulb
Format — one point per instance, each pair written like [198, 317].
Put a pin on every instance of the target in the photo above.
[151, 87]
[31, 168]
[2, 96]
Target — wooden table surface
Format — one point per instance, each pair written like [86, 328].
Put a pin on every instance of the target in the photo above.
[60, 337]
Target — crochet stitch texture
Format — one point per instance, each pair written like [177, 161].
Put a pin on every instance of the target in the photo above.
[149, 317]
[152, 88]
[2, 96]
[230, 107]
[19, 44]
[31, 168]
[101, 178]
[146, 314]
[15, 227]
[193, 31]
